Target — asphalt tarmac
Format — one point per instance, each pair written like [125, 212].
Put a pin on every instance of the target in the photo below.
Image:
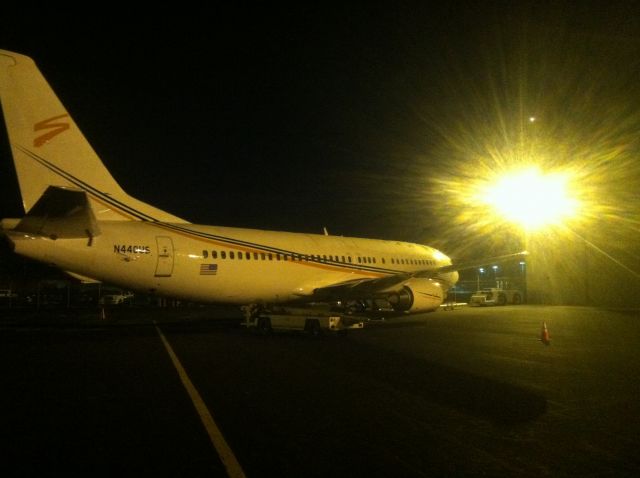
[468, 392]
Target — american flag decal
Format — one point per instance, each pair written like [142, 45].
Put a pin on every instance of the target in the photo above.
[208, 269]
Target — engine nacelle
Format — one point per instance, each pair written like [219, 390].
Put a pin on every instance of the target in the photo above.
[417, 296]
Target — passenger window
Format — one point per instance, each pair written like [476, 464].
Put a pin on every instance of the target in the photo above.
[270, 256]
[232, 255]
[263, 256]
[223, 254]
[247, 255]
[214, 254]
[205, 254]
[350, 261]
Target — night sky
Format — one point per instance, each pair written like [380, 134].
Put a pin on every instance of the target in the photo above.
[356, 118]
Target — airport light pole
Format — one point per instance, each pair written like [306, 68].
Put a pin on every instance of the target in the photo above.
[523, 272]
[478, 274]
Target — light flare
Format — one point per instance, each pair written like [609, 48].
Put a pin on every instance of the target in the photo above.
[531, 198]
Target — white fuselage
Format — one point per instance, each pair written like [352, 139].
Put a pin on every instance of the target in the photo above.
[227, 265]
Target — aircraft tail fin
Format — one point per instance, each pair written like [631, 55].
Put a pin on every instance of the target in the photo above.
[49, 149]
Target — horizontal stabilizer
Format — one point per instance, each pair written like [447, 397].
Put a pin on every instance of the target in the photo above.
[8, 223]
[61, 213]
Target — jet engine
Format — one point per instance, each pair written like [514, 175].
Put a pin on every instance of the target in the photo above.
[417, 296]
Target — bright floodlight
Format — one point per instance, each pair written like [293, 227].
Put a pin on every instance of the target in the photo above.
[532, 199]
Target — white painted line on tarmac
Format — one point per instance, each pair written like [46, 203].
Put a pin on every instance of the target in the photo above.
[234, 470]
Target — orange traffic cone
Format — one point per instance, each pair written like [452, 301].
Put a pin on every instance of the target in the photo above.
[544, 336]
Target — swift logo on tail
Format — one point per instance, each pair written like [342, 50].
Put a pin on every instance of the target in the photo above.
[56, 129]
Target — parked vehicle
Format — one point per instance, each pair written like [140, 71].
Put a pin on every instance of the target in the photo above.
[496, 296]
[116, 299]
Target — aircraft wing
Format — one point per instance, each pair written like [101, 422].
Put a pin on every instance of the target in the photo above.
[357, 288]
[362, 287]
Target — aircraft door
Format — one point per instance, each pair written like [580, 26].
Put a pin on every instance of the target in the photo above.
[164, 267]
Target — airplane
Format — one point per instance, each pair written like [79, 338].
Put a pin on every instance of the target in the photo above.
[81, 221]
